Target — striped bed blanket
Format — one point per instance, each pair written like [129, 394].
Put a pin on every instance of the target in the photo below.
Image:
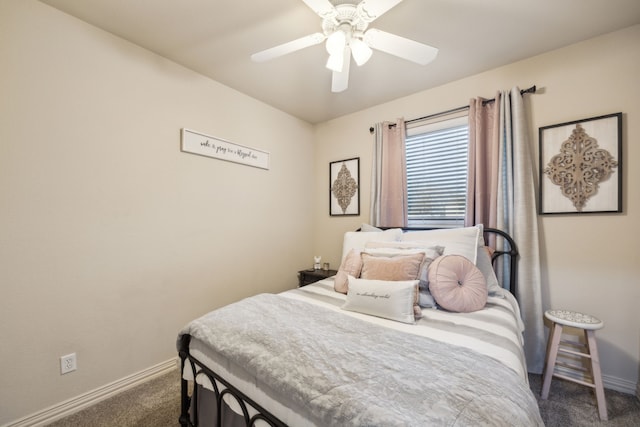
[495, 331]
[344, 368]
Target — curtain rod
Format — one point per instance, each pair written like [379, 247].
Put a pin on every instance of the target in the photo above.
[532, 89]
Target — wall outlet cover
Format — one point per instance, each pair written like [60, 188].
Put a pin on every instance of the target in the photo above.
[68, 363]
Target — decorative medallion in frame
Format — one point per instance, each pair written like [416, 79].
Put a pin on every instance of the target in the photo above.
[581, 166]
[344, 187]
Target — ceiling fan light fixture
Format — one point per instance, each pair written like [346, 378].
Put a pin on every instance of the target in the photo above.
[336, 61]
[360, 50]
[336, 43]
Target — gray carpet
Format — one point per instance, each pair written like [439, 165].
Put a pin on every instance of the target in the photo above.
[157, 404]
[571, 404]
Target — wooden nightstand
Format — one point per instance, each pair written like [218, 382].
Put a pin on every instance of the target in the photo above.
[309, 276]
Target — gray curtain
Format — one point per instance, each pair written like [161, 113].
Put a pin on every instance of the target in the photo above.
[388, 176]
[503, 196]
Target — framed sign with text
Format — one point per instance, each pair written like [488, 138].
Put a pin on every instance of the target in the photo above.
[209, 146]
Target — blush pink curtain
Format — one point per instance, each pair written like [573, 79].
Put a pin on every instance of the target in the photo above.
[484, 145]
[389, 176]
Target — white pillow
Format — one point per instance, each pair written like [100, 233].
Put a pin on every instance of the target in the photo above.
[368, 228]
[456, 241]
[391, 252]
[358, 239]
[407, 245]
[390, 300]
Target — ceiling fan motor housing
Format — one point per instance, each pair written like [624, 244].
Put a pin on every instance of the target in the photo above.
[347, 18]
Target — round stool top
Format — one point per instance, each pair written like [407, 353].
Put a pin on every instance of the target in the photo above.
[573, 318]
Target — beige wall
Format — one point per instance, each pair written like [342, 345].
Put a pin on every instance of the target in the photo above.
[111, 239]
[589, 262]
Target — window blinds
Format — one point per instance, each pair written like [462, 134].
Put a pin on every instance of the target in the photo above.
[436, 159]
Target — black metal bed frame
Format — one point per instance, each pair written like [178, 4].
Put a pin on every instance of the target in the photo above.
[188, 402]
[512, 253]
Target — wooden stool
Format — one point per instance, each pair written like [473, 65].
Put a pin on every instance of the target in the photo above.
[589, 325]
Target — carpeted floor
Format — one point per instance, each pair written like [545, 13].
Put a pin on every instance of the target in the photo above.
[571, 404]
[157, 404]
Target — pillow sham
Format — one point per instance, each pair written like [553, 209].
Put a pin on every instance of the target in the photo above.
[456, 241]
[358, 239]
[456, 284]
[485, 266]
[431, 252]
[426, 300]
[394, 300]
[351, 266]
[401, 267]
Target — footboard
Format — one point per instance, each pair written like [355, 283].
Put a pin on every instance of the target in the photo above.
[190, 404]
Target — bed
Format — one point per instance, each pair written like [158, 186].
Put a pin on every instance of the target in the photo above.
[378, 353]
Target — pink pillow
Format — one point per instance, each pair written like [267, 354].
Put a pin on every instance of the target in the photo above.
[401, 267]
[351, 266]
[457, 284]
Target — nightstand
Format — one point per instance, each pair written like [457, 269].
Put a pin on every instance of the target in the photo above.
[309, 276]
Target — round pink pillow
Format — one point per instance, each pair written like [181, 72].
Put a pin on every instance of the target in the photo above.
[457, 284]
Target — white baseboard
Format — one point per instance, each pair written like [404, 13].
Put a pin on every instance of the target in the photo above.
[75, 404]
[613, 383]
[619, 384]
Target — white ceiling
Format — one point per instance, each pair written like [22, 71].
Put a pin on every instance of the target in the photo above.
[217, 37]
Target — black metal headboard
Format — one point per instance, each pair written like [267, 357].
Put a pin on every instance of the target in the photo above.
[509, 251]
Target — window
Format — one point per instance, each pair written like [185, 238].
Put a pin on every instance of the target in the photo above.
[436, 155]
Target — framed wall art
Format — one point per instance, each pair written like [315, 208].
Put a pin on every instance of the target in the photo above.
[344, 187]
[581, 166]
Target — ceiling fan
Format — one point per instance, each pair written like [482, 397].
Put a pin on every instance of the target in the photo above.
[344, 27]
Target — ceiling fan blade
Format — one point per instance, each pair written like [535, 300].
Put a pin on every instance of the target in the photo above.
[373, 9]
[292, 46]
[340, 80]
[399, 46]
[323, 8]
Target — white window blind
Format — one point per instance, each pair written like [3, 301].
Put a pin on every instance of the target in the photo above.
[436, 156]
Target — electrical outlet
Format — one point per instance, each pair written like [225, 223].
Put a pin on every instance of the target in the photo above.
[68, 363]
